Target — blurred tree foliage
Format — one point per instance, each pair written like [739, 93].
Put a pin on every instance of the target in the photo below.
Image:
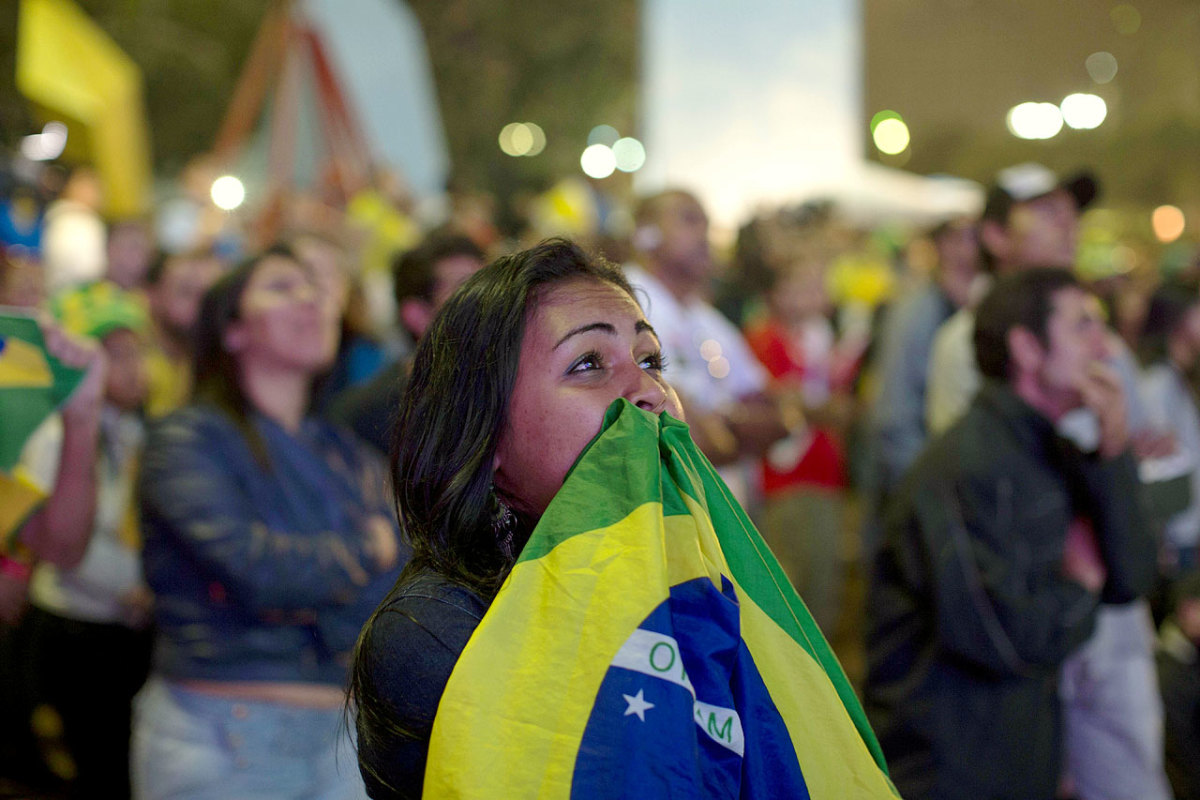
[566, 68]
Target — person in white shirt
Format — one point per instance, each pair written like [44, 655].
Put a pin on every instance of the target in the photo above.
[721, 383]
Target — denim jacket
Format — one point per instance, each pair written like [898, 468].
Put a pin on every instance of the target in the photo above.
[259, 570]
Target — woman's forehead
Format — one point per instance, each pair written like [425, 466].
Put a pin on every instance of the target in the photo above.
[584, 295]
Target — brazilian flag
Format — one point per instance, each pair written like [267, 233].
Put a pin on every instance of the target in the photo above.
[32, 385]
[647, 644]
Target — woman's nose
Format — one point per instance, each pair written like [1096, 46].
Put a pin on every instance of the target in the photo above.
[646, 392]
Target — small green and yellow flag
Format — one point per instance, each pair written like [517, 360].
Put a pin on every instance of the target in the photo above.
[32, 385]
[647, 644]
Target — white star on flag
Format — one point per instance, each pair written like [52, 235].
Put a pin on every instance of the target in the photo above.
[637, 705]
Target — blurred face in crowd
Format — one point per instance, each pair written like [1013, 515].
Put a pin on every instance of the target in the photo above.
[586, 343]
[130, 249]
[326, 263]
[958, 261]
[125, 382]
[282, 324]
[448, 274]
[1187, 336]
[683, 248]
[175, 299]
[1076, 342]
[1040, 232]
[800, 294]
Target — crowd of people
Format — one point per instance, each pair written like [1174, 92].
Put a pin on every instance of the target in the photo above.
[253, 461]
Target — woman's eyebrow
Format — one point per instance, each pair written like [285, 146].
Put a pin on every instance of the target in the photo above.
[591, 326]
[639, 327]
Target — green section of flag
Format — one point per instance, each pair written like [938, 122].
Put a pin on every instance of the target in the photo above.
[24, 404]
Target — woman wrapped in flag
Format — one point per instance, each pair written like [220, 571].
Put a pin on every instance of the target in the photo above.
[587, 611]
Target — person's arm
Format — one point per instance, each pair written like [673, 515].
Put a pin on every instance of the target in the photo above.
[191, 498]
[59, 532]
[993, 606]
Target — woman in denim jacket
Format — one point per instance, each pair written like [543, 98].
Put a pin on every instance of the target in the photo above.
[268, 540]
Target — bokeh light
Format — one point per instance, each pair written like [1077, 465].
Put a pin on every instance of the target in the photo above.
[1126, 19]
[629, 153]
[710, 349]
[1101, 66]
[522, 139]
[719, 367]
[598, 161]
[891, 136]
[606, 135]
[539, 138]
[1083, 111]
[47, 145]
[881, 116]
[1035, 121]
[228, 193]
[1168, 223]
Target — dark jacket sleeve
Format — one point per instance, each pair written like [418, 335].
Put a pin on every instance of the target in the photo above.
[998, 604]
[192, 498]
[1113, 498]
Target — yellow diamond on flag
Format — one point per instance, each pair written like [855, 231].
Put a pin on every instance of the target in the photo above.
[23, 365]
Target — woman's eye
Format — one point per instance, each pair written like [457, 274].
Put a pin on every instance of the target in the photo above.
[587, 363]
[655, 362]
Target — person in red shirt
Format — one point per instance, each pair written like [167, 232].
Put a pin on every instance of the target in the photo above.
[804, 475]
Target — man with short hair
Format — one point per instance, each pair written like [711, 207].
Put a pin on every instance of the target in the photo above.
[423, 280]
[998, 547]
[721, 383]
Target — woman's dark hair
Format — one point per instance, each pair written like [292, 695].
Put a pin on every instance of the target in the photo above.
[452, 414]
[1024, 300]
[1168, 308]
[216, 380]
[456, 404]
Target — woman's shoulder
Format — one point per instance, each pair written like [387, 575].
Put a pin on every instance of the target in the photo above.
[430, 611]
[414, 640]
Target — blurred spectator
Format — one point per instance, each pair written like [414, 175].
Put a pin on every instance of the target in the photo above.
[1030, 219]
[174, 286]
[423, 279]
[1179, 677]
[269, 539]
[804, 476]
[97, 613]
[57, 533]
[358, 355]
[997, 549]
[22, 281]
[1170, 346]
[73, 240]
[21, 218]
[130, 251]
[721, 383]
[897, 423]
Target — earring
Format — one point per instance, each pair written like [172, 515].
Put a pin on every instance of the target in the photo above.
[504, 525]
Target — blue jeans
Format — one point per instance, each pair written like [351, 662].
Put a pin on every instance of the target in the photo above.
[192, 745]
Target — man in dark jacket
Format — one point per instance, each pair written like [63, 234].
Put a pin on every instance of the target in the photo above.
[998, 547]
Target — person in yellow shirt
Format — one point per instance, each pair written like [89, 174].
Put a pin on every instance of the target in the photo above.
[174, 285]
